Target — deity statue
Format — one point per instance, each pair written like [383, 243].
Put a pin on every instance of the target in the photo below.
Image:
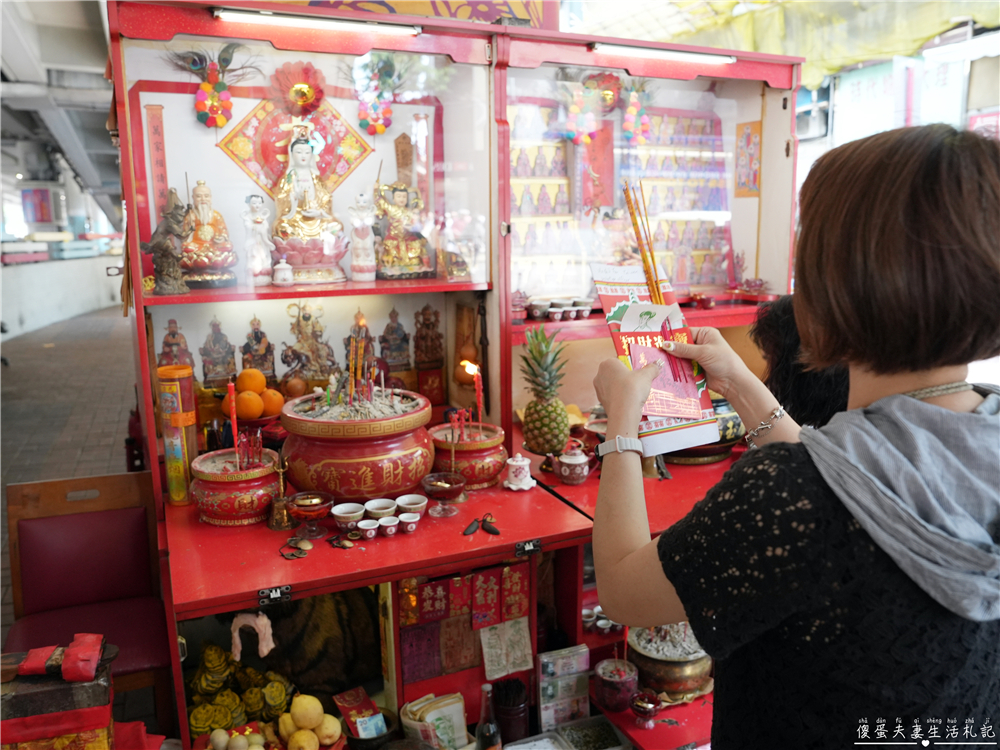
[362, 239]
[218, 357]
[208, 254]
[428, 342]
[522, 168]
[305, 230]
[258, 242]
[258, 352]
[653, 209]
[310, 356]
[175, 348]
[541, 165]
[360, 333]
[166, 245]
[562, 201]
[527, 203]
[395, 343]
[544, 201]
[404, 251]
[515, 210]
[558, 166]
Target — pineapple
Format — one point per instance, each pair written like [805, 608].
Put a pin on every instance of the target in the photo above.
[546, 424]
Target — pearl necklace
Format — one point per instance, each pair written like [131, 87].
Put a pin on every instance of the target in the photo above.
[939, 390]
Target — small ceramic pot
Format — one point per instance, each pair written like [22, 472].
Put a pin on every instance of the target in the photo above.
[226, 497]
[616, 680]
[583, 302]
[538, 310]
[582, 312]
[368, 528]
[282, 274]
[562, 303]
[347, 515]
[572, 467]
[569, 313]
[480, 459]
[555, 314]
[380, 508]
[519, 474]
[603, 625]
[411, 504]
[388, 526]
[408, 522]
[589, 618]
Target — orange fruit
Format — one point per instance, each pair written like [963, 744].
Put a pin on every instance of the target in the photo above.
[273, 401]
[295, 387]
[251, 380]
[249, 405]
[225, 406]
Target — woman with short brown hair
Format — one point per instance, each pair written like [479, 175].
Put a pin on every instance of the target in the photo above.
[850, 574]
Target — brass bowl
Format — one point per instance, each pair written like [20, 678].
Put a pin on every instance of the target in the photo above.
[671, 676]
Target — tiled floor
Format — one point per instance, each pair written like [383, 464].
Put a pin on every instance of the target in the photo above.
[64, 409]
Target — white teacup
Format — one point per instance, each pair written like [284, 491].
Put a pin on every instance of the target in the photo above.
[408, 522]
[368, 528]
[388, 525]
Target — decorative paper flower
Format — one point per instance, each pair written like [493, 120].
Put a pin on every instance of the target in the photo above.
[213, 102]
[297, 88]
[636, 122]
[608, 86]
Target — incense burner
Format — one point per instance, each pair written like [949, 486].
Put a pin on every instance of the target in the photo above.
[480, 458]
[359, 459]
[227, 497]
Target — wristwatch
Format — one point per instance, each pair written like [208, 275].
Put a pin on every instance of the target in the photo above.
[620, 445]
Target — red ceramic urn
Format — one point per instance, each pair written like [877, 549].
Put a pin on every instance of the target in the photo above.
[480, 458]
[227, 497]
[358, 460]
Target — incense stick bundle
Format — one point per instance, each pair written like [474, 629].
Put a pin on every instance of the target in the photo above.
[640, 223]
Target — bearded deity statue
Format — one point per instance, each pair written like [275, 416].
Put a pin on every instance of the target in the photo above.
[404, 251]
[208, 257]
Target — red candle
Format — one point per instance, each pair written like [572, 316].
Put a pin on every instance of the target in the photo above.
[479, 396]
[232, 420]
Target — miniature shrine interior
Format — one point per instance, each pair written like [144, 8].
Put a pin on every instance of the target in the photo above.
[349, 251]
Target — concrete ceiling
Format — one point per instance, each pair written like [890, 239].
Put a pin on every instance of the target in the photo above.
[54, 94]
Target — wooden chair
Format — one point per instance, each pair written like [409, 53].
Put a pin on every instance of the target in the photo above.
[82, 561]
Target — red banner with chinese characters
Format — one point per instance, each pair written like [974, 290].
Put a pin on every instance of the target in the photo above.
[515, 591]
[461, 596]
[486, 598]
[433, 601]
[157, 157]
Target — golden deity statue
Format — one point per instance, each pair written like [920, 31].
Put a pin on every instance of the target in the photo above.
[404, 251]
[208, 255]
[305, 231]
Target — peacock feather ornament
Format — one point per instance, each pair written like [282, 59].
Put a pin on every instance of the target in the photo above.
[213, 102]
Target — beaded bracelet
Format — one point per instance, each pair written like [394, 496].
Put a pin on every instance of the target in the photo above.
[777, 414]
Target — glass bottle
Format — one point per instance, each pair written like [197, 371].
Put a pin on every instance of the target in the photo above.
[487, 731]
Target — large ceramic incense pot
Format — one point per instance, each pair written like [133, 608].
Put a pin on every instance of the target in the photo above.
[227, 497]
[480, 458]
[358, 460]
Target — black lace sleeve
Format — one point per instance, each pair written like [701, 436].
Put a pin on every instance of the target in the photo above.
[753, 552]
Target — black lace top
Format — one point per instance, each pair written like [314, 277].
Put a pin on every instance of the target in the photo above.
[814, 629]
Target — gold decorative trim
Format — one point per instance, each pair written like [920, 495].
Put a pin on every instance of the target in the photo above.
[241, 476]
[234, 521]
[446, 445]
[353, 429]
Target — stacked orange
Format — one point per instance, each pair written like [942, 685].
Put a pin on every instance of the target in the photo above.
[253, 398]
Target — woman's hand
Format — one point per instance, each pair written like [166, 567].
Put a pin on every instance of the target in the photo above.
[623, 392]
[723, 366]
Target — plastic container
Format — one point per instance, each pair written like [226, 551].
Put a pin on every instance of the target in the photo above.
[179, 419]
[615, 681]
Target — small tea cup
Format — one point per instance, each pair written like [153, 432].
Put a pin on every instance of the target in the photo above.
[604, 625]
[411, 504]
[347, 515]
[408, 522]
[555, 313]
[388, 525]
[380, 508]
[589, 618]
[368, 528]
[537, 310]
[582, 312]
[562, 303]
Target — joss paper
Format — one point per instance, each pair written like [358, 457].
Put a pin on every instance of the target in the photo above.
[420, 650]
[515, 591]
[433, 601]
[486, 598]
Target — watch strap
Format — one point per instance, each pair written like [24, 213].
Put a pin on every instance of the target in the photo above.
[620, 445]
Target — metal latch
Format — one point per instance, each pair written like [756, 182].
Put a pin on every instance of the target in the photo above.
[489, 52]
[504, 228]
[523, 549]
[275, 595]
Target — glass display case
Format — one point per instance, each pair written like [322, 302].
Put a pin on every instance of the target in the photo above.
[690, 148]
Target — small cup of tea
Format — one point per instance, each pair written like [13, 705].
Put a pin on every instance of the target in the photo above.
[380, 508]
[368, 528]
[388, 525]
[408, 522]
[555, 313]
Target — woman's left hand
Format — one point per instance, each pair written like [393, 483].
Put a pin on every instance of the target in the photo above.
[623, 392]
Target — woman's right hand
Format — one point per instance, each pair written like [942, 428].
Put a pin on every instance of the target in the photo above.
[724, 368]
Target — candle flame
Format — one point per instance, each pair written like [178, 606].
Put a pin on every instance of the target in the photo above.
[470, 367]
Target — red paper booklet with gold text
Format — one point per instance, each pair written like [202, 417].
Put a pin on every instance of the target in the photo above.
[678, 413]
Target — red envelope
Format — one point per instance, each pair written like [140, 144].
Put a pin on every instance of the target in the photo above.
[486, 604]
[515, 591]
[433, 601]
